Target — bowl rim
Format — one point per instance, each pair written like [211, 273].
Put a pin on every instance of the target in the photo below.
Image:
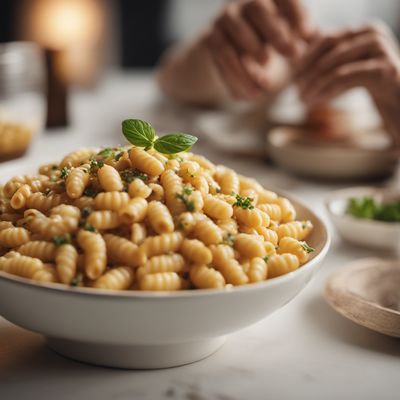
[345, 194]
[157, 295]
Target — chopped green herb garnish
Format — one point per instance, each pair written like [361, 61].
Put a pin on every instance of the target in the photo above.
[90, 192]
[129, 175]
[243, 202]
[95, 165]
[62, 239]
[369, 208]
[90, 228]
[77, 280]
[186, 191]
[118, 155]
[107, 152]
[306, 247]
[229, 239]
[86, 211]
[266, 258]
[64, 173]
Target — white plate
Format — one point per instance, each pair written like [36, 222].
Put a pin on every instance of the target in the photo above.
[134, 329]
[325, 161]
[363, 232]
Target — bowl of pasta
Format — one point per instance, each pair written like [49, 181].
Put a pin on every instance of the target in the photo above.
[148, 256]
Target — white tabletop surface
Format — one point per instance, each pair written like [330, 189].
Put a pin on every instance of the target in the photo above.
[303, 351]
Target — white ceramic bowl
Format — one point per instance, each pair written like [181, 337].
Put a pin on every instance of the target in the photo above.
[324, 161]
[150, 330]
[363, 232]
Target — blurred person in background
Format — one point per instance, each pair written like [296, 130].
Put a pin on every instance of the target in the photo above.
[254, 48]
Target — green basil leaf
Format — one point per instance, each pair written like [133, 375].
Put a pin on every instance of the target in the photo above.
[139, 133]
[174, 143]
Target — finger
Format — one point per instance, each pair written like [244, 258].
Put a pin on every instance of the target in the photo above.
[258, 72]
[240, 34]
[231, 71]
[345, 52]
[264, 17]
[297, 16]
[360, 73]
[324, 44]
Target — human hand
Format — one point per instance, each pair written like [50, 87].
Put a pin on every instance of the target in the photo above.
[241, 38]
[367, 57]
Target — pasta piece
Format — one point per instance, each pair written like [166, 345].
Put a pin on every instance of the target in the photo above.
[295, 229]
[208, 232]
[5, 225]
[270, 249]
[77, 180]
[47, 274]
[159, 217]
[249, 246]
[228, 266]
[204, 277]
[134, 211]
[300, 249]
[258, 270]
[164, 263]
[20, 197]
[137, 188]
[196, 251]
[228, 180]
[186, 222]
[66, 263]
[248, 217]
[84, 202]
[94, 249]
[228, 226]
[273, 210]
[111, 200]
[162, 244]
[138, 233]
[41, 202]
[42, 250]
[161, 282]
[103, 220]
[266, 196]
[287, 210]
[172, 164]
[123, 251]
[145, 162]
[202, 161]
[281, 264]
[157, 192]
[14, 237]
[22, 266]
[109, 179]
[119, 278]
[77, 157]
[216, 208]
[268, 234]
[194, 202]
[172, 185]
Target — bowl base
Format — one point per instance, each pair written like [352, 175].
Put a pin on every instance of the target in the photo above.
[136, 356]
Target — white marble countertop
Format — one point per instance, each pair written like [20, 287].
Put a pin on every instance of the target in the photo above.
[303, 351]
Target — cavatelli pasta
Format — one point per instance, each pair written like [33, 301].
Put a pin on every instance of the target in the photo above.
[119, 278]
[131, 218]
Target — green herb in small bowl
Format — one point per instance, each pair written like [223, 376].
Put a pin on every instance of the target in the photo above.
[368, 208]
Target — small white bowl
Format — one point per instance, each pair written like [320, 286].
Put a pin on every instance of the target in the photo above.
[150, 330]
[327, 161]
[363, 232]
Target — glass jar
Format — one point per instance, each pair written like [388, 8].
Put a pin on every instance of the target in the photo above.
[22, 97]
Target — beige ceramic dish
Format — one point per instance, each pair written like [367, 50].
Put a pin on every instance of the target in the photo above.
[367, 292]
[151, 330]
[324, 161]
